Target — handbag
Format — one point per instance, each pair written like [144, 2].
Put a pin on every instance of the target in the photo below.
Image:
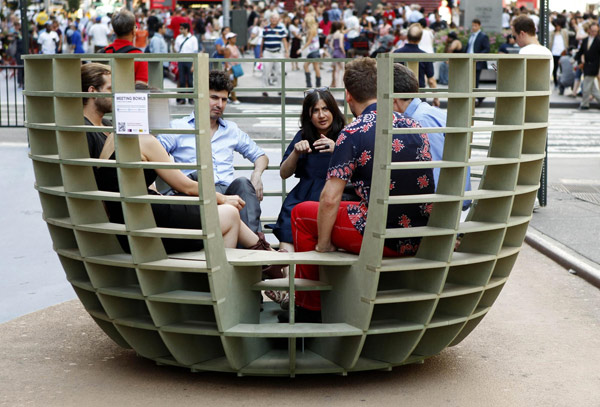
[237, 71]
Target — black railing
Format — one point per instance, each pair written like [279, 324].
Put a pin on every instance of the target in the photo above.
[12, 101]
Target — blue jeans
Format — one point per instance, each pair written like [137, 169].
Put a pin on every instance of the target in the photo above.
[443, 74]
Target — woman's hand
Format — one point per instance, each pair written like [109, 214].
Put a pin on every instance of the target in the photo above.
[324, 145]
[235, 201]
[302, 147]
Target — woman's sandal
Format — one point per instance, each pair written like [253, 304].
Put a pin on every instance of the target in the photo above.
[276, 296]
[268, 272]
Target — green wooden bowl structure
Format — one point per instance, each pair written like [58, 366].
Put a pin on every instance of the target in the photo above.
[201, 310]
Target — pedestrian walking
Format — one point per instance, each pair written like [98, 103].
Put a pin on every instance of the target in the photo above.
[98, 34]
[273, 45]
[185, 43]
[312, 49]
[233, 68]
[479, 43]
[589, 59]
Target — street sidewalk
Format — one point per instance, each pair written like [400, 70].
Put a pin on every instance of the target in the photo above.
[567, 229]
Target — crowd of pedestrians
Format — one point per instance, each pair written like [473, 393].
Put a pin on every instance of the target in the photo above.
[313, 31]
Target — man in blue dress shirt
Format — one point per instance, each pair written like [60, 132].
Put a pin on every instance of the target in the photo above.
[405, 81]
[227, 137]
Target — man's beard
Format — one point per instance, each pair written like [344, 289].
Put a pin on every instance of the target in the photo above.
[104, 105]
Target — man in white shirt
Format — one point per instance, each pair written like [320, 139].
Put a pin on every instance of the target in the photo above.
[185, 43]
[98, 34]
[106, 20]
[505, 19]
[348, 10]
[352, 26]
[428, 37]
[523, 29]
[48, 40]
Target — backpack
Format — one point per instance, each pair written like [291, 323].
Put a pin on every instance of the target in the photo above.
[124, 50]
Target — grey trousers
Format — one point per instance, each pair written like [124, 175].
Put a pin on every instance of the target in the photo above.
[589, 88]
[250, 215]
[268, 66]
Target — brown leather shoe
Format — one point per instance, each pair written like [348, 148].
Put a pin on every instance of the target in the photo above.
[262, 243]
[268, 272]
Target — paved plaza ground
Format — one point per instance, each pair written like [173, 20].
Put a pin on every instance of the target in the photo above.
[538, 346]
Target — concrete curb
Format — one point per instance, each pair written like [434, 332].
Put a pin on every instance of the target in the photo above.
[565, 256]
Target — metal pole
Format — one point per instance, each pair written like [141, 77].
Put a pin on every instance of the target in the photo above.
[226, 7]
[543, 38]
[24, 27]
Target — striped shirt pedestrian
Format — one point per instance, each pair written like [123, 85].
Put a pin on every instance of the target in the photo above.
[274, 41]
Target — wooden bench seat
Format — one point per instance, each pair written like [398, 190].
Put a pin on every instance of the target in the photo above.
[243, 257]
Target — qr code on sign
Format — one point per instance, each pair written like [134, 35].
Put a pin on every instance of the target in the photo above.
[121, 127]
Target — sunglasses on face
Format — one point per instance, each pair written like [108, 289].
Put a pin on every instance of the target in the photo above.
[313, 90]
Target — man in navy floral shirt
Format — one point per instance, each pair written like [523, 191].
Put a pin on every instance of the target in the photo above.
[330, 224]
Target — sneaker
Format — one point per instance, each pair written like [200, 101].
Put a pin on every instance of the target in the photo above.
[265, 94]
[584, 108]
[235, 102]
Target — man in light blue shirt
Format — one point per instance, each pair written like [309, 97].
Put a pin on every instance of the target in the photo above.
[158, 45]
[405, 81]
[226, 138]
[335, 14]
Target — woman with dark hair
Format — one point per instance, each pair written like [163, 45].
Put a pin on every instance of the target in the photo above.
[308, 156]
[325, 26]
[511, 42]
[453, 45]
[559, 42]
[296, 40]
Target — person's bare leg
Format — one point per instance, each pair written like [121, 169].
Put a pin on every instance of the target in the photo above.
[229, 218]
[334, 76]
[246, 237]
[317, 69]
